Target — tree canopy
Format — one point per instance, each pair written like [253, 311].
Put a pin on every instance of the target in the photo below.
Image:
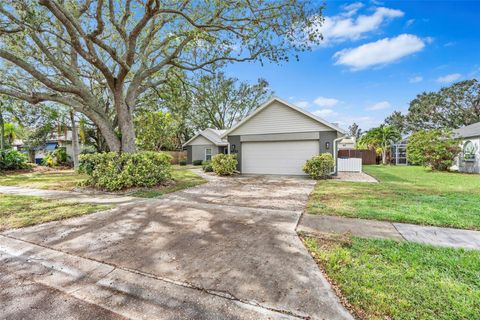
[380, 139]
[100, 56]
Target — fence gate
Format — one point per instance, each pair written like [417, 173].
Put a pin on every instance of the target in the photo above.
[349, 165]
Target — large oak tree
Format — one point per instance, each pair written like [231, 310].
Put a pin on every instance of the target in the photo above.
[99, 56]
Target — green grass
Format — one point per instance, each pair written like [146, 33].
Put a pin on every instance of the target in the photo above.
[53, 180]
[384, 279]
[22, 211]
[404, 194]
[182, 178]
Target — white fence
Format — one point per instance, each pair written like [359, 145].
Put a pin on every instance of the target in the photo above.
[350, 165]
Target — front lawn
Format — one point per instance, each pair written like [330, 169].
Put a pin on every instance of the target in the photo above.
[404, 194]
[384, 279]
[21, 211]
[53, 180]
[182, 178]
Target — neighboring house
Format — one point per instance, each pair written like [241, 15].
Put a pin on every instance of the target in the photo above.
[205, 144]
[469, 158]
[277, 138]
[347, 143]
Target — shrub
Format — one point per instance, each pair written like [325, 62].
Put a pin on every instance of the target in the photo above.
[57, 157]
[182, 162]
[112, 171]
[197, 162]
[13, 160]
[224, 164]
[436, 149]
[207, 166]
[319, 167]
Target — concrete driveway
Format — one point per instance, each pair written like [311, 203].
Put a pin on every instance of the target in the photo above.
[226, 249]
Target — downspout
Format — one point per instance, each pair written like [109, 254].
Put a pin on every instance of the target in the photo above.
[335, 154]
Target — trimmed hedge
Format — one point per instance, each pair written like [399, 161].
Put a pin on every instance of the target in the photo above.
[224, 164]
[319, 167]
[182, 162]
[197, 162]
[112, 171]
[13, 160]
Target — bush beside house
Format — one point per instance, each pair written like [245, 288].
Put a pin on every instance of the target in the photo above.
[224, 164]
[319, 167]
[436, 149]
[13, 160]
[112, 171]
[207, 166]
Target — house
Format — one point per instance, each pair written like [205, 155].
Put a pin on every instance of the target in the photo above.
[277, 138]
[469, 158]
[347, 143]
[205, 144]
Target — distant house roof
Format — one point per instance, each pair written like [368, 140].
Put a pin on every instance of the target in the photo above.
[214, 135]
[472, 130]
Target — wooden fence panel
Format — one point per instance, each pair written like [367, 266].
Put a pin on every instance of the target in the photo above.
[177, 156]
[367, 156]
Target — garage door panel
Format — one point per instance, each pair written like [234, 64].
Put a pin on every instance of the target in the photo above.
[282, 157]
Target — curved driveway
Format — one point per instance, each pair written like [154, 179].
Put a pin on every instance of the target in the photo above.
[230, 242]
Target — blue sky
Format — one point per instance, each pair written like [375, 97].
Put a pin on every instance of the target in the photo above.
[376, 57]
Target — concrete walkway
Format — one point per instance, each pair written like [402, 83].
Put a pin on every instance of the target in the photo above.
[448, 237]
[71, 196]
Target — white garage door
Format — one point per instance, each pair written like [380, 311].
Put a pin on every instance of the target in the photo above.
[282, 157]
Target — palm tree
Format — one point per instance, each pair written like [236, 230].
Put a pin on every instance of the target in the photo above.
[380, 139]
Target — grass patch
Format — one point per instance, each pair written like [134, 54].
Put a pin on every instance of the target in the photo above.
[182, 178]
[22, 211]
[403, 194]
[385, 279]
[52, 180]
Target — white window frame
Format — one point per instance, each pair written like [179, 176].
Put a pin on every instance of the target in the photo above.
[208, 154]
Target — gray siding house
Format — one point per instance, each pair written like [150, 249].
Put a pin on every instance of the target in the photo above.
[469, 159]
[277, 138]
[204, 145]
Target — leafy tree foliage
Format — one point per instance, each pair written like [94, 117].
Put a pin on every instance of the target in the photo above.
[99, 57]
[436, 149]
[451, 107]
[156, 131]
[398, 121]
[354, 131]
[380, 139]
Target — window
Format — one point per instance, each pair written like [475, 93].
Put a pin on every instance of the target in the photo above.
[469, 151]
[208, 154]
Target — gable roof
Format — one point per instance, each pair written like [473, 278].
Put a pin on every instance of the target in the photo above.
[213, 135]
[277, 99]
[472, 130]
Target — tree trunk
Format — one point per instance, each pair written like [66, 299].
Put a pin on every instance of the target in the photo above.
[125, 122]
[384, 157]
[75, 146]
[2, 132]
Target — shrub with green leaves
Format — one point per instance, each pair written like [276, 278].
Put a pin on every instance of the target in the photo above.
[320, 166]
[182, 162]
[197, 162]
[207, 166]
[224, 164]
[436, 149]
[13, 160]
[57, 157]
[112, 171]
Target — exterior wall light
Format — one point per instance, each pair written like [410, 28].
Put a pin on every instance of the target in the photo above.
[327, 145]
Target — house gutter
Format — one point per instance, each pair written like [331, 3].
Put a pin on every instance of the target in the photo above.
[335, 154]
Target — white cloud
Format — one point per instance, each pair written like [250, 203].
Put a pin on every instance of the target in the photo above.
[302, 104]
[325, 102]
[349, 26]
[416, 79]
[409, 22]
[380, 52]
[449, 78]
[324, 113]
[380, 106]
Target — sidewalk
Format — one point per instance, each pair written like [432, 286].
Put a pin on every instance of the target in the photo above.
[70, 196]
[448, 237]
